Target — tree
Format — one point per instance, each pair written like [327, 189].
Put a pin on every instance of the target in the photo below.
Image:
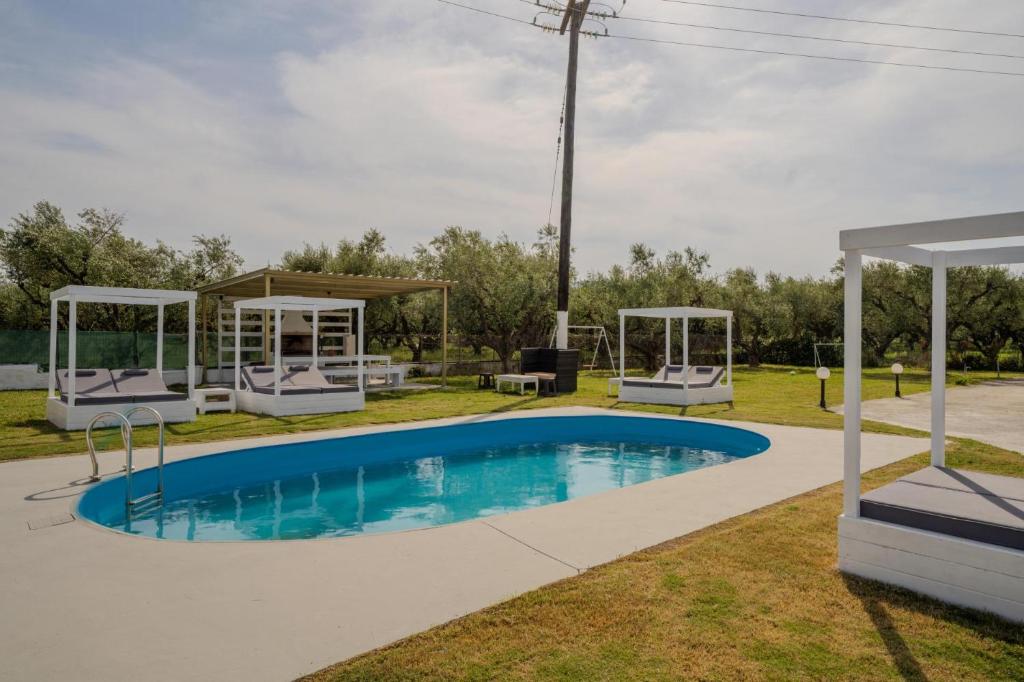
[505, 295]
[40, 253]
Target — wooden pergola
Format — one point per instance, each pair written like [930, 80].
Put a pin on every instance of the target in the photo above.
[272, 282]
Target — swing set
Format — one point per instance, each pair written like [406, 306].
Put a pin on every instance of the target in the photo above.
[601, 334]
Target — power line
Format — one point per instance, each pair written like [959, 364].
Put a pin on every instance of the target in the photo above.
[483, 11]
[801, 36]
[751, 50]
[817, 56]
[845, 19]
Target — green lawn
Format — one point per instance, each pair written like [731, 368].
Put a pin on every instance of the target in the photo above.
[754, 598]
[780, 395]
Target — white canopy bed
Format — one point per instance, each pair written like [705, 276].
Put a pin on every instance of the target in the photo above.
[952, 534]
[76, 395]
[682, 384]
[281, 390]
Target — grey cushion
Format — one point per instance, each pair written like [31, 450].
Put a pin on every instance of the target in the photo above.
[98, 381]
[112, 398]
[965, 504]
[157, 397]
[136, 381]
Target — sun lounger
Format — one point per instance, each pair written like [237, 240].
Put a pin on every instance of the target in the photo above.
[295, 380]
[671, 376]
[143, 386]
[92, 387]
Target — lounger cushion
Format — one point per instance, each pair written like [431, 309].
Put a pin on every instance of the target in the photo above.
[981, 507]
[157, 397]
[95, 381]
[139, 381]
[112, 398]
[287, 390]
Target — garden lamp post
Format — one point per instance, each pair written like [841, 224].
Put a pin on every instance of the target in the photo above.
[823, 373]
[897, 370]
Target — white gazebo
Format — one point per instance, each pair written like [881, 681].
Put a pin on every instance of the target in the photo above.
[955, 535]
[298, 389]
[677, 384]
[77, 395]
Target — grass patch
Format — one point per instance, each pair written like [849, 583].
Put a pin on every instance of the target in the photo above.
[777, 395]
[756, 597]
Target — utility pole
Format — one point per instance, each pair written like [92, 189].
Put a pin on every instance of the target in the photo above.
[575, 13]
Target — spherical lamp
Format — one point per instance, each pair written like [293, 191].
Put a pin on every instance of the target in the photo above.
[897, 370]
[822, 373]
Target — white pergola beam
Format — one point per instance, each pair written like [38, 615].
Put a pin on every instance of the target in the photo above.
[1005, 255]
[90, 294]
[995, 226]
[911, 255]
[677, 312]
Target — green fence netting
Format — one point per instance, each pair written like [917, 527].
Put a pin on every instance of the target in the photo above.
[95, 349]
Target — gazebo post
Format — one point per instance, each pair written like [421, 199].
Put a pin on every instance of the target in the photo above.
[851, 384]
[238, 349]
[316, 337]
[52, 385]
[277, 351]
[72, 347]
[359, 349]
[938, 359]
[728, 349]
[205, 339]
[622, 349]
[160, 340]
[686, 358]
[444, 336]
[668, 342]
[191, 347]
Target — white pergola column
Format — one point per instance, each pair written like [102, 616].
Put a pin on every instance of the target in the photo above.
[728, 349]
[220, 339]
[160, 340]
[668, 342]
[277, 352]
[622, 349]
[72, 348]
[191, 348]
[238, 349]
[939, 358]
[52, 385]
[316, 337]
[359, 349]
[851, 384]
[686, 358]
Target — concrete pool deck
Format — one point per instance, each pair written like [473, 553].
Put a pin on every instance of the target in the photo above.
[85, 603]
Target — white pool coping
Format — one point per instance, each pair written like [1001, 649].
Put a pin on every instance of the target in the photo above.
[86, 603]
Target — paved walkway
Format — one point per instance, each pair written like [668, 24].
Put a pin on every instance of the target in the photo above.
[84, 603]
[992, 412]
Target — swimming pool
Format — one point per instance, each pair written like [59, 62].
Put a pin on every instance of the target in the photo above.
[412, 478]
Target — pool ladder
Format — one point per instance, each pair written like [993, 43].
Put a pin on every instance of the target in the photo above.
[145, 503]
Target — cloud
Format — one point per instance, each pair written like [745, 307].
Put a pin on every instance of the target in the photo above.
[278, 123]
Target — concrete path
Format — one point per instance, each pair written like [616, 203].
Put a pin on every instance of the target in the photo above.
[992, 412]
[85, 603]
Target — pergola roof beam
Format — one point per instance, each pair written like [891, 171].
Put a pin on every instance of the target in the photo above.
[674, 312]
[995, 226]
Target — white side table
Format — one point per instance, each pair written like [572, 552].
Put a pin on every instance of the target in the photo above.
[516, 380]
[613, 381]
[203, 405]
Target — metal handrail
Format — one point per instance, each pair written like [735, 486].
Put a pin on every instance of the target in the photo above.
[126, 436]
[160, 449]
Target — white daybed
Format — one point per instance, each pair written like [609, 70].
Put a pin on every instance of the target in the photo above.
[683, 384]
[76, 395]
[952, 534]
[281, 390]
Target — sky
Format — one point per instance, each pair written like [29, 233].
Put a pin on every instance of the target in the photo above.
[279, 122]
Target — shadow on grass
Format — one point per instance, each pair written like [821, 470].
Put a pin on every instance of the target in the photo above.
[902, 657]
[876, 596]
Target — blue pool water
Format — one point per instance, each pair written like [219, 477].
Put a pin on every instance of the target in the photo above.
[414, 478]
